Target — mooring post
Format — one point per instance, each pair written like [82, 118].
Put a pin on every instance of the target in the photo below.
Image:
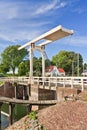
[0, 111]
[11, 107]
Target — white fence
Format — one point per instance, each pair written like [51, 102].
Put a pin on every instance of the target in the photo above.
[51, 81]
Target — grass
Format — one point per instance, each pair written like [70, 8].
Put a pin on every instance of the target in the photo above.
[1, 82]
[84, 97]
[32, 115]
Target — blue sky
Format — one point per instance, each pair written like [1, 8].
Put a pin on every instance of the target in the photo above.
[24, 20]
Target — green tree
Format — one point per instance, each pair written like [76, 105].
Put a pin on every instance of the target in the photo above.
[11, 57]
[3, 68]
[37, 66]
[48, 63]
[68, 61]
[21, 69]
[85, 66]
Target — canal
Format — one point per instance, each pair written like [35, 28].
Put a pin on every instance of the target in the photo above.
[19, 112]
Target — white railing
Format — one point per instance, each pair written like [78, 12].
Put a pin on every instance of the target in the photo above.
[51, 81]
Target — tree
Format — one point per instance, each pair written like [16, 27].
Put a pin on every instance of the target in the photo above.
[48, 63]
[11, 57]
[85, 66]
[23, 68]
[3, 68]
[68, 61]
[37, 66]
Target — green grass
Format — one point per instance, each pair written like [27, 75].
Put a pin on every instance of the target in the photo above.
[84, 97]
[32, 115]
[1, 82]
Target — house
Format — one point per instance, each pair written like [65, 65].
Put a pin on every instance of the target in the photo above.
[84, 73]
[61, 71]
[54, 71]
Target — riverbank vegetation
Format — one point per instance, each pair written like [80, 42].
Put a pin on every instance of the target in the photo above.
[1, 82]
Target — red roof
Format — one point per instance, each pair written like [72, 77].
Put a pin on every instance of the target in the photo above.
[61, 70]
[49, 68]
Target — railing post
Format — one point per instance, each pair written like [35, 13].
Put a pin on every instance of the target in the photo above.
[64, 83]
[49, 83]
[56, 82]
[82, 83]
[71, 83]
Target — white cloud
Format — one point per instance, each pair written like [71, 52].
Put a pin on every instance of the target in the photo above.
[79, 10]
[61, 5]
[20, 35]
[7, 11]
[54, 4]
[78, 41]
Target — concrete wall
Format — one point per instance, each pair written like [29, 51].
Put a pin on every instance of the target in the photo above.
[37, 93]
[45, 94]
[2, 90]
[66, 92]
[9, 90]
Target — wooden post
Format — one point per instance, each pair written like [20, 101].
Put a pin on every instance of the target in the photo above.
[16, 90]
[72, 84]
[82, 83]
[11, 107]
[28, 90]
[0, 111]
[64, 83]
[23, 92]
[29, 108]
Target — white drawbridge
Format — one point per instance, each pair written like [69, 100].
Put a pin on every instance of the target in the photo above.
[50, 36]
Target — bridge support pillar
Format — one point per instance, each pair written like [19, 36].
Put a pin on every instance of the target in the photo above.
[11, 108]
[29, 90]
[0, 111]
[16, 90]
[29, 108]
[24, 93]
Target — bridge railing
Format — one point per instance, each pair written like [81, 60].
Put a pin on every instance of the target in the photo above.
[51, 81]
[78, 82]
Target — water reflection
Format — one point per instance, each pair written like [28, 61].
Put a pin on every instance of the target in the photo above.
[4, 122]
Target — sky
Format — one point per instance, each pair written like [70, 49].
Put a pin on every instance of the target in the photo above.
[24, 20]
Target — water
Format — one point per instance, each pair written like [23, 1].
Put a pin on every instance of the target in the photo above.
[19, 111]
[4, 122]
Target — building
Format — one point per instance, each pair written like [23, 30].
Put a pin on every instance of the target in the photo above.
[54, 71]
[84, 72]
